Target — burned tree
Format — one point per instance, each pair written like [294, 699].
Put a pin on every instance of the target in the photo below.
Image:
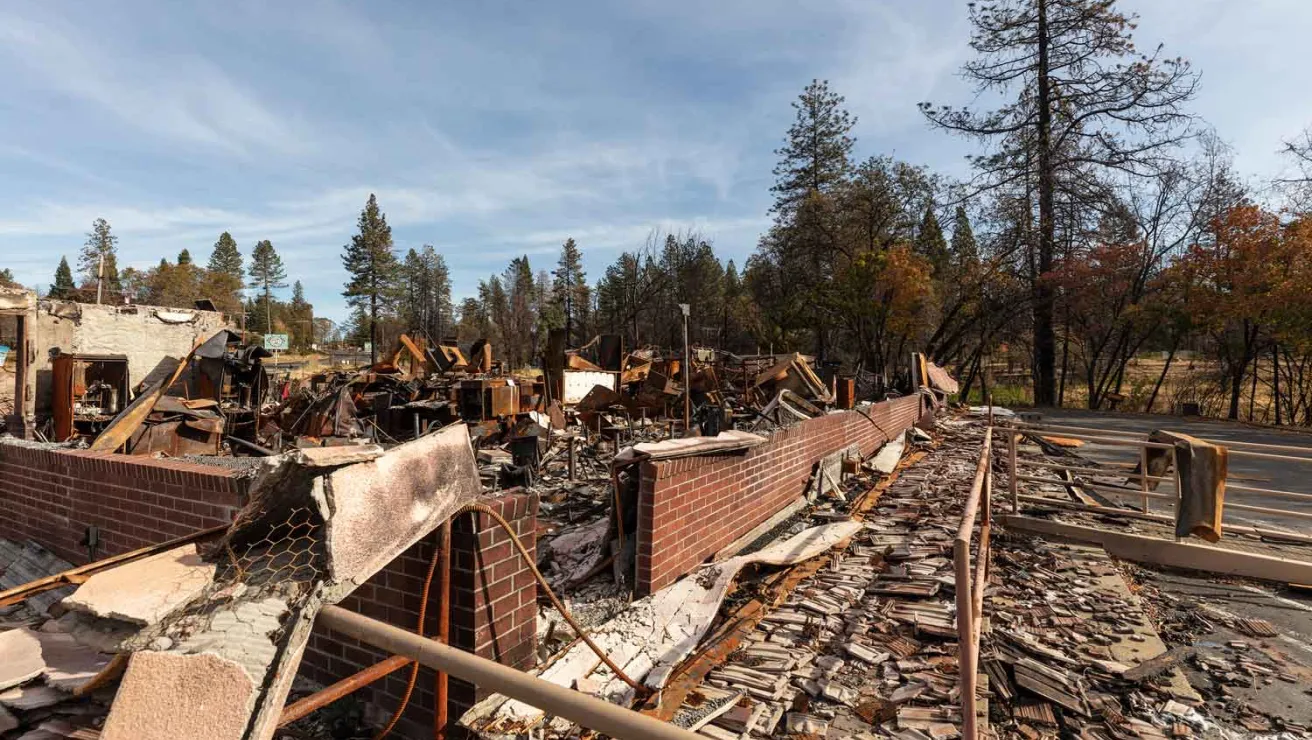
[1085, 99]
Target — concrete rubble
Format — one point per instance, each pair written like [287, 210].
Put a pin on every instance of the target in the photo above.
[308, 537]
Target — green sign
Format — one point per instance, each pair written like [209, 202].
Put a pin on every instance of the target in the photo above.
[275, 342]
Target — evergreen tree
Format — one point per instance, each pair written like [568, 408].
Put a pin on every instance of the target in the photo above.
[184, 257]
[1085, 98]
[930, 243]
[63, 287]
[101, 244]
[963, 238]
[372, 267]
[440, 313]
[225, 277]
[267, 274]
[815, 157]
[7, 279]
[570, 287]
[302, 318]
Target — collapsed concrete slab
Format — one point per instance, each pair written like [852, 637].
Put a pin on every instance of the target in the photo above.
[309, 536]
[20, 657]
[144, 591]
[68, 665]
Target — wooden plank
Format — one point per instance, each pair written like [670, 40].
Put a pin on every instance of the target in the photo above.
[121, 428]
[1174, 554]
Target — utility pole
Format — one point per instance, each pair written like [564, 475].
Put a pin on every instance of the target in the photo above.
[100, 277]
[687, 374]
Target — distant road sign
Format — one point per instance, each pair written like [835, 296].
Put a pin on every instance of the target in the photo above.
[275, 342]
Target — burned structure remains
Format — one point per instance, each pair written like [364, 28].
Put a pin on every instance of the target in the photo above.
[641, 543]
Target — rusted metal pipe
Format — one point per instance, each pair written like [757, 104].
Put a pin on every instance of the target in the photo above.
[583, 709]
[440, 688]
[350, 684]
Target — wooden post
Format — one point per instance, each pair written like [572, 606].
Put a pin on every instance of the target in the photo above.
[1012, 437]
[573, 459]
[966, 648]
[1143, 475]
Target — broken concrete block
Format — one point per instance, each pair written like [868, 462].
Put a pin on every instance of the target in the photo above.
[69, 665]
[308, 536]
[20, 657]
[331, 457]
[171, 695]
[143, 591]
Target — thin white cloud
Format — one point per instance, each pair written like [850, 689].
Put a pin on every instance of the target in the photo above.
[179, 96]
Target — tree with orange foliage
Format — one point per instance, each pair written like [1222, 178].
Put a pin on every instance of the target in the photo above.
[1239, 281]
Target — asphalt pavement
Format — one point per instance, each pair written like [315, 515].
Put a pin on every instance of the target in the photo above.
[1283, 475]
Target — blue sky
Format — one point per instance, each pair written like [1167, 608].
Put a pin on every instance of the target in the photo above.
[496, 129]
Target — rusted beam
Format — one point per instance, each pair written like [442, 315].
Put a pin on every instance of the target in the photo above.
[328, 695]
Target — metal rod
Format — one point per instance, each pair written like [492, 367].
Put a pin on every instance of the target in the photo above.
[1221, 442]
[350, 684]
[1098, 487]
[1012, 439]
[1096, 471]
[1040, 431]
[1269, 510]
[577, 707]
[1267, 491]
[1108, 510]
[1143, 475]
[965, 638]
[440, 687]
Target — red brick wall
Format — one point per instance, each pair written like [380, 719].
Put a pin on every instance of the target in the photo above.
[692, 507]
[493, 612]
[51, 496]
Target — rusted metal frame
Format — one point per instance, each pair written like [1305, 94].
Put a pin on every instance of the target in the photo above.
[1096, 471]
[76, 575]
[968, 625]
[1267, 456]
[575, 706]
[441, 682]
[1267, 491]
[1099, 487]
[1218, 442]
[1013, 440]
[356, 681]
[1268, 510]
[1162, 518]
[1103, 438]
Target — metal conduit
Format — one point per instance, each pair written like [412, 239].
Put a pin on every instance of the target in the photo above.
[576, 707]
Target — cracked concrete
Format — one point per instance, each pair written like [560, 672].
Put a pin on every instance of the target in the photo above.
[143, 591]
[20, 657]
[310, 534]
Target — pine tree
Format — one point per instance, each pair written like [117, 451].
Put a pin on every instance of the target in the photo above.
[267, 274]
[101, 244]
[302, 318]
[570, 287]
[1084, 98]
[963, 238]
[224, 277]
[816, 154]
[373, 268]
[7, 279]
[63, 287]
[440, 312]
[184, 257]
[930, 243]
